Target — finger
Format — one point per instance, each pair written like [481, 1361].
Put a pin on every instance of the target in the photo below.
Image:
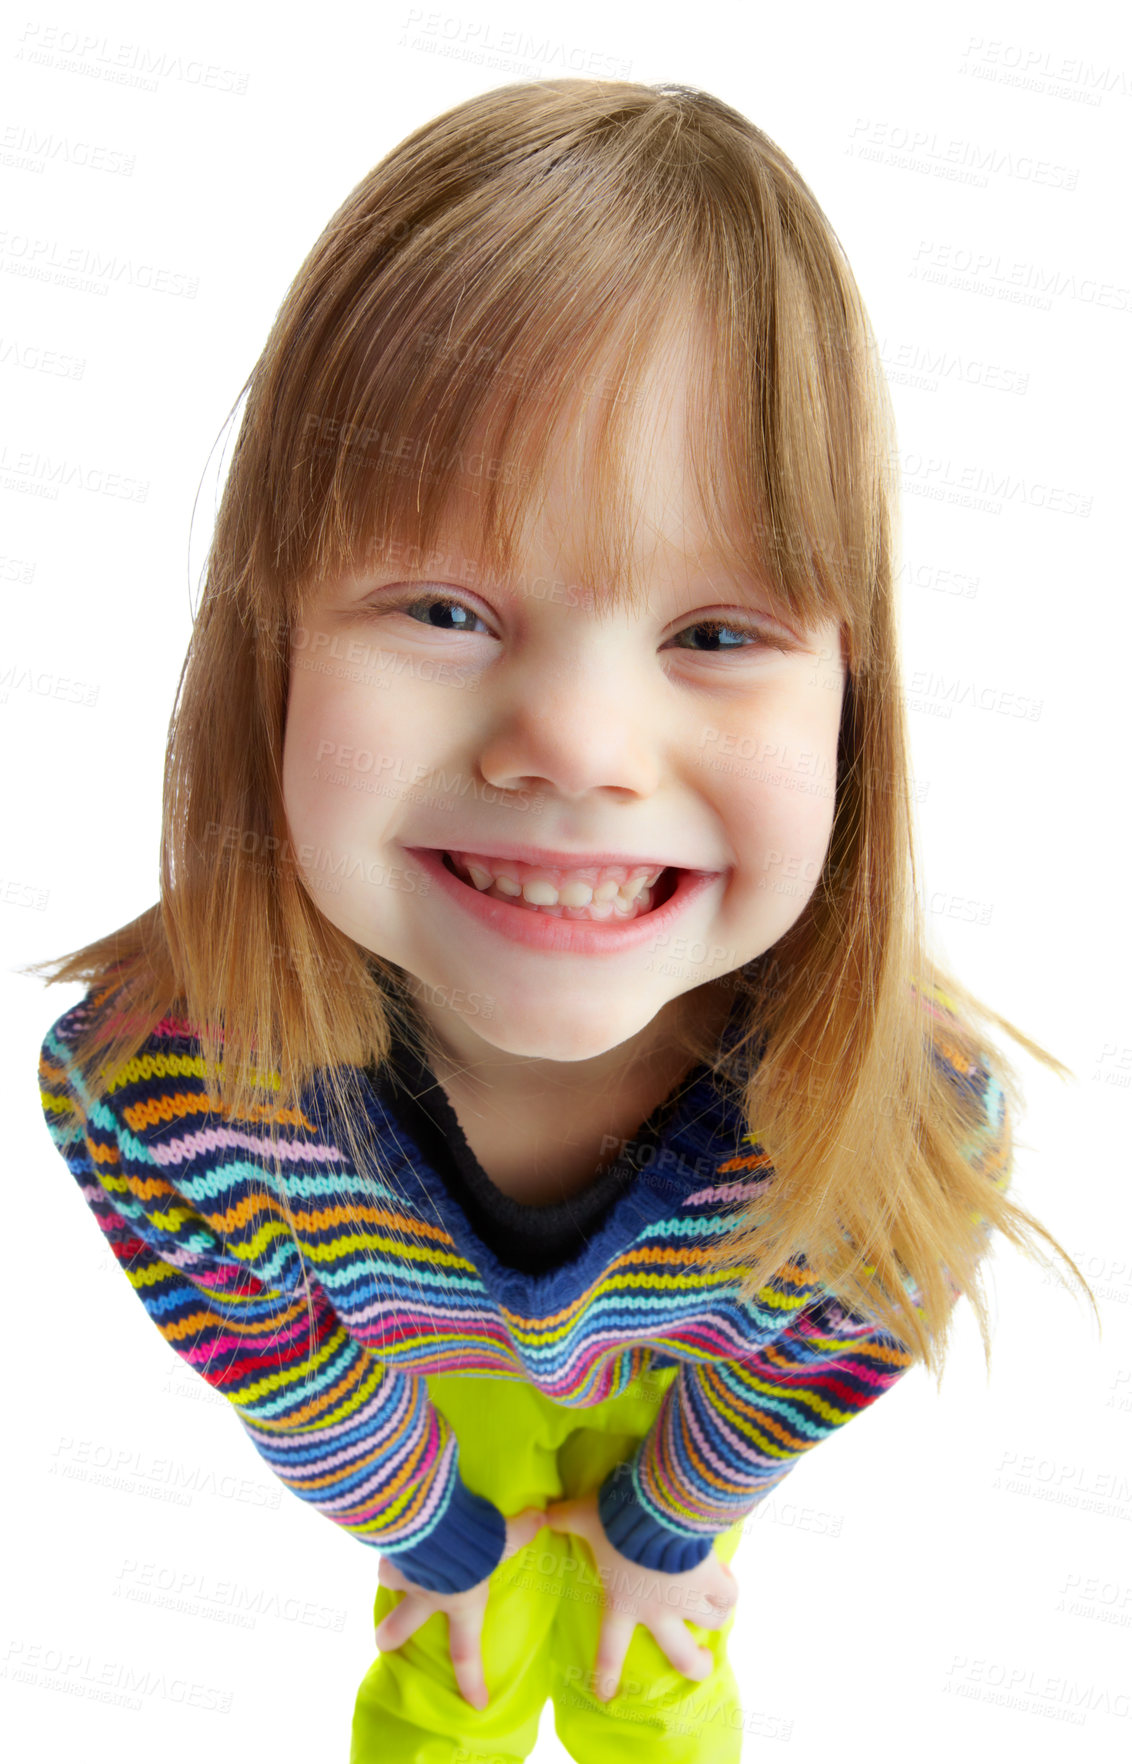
[464, 1629]
[682, 1649]
[572, 1516]
[613, 1644]
[720, 1601]
[522, 1528]
[527, 1525]
[722, 1590]
[400, 1623]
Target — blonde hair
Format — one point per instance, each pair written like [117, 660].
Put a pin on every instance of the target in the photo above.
[530, 240]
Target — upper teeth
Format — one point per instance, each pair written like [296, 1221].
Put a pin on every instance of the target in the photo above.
[576, 889]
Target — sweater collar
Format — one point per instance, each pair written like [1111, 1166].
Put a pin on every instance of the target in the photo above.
[676, 1152]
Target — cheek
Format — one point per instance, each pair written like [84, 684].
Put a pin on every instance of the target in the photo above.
[341, 732]
[784, 794]
[325, 733]
[305, 711]
[788, 821]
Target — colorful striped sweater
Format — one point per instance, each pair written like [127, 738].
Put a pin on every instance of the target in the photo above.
[333, 1395]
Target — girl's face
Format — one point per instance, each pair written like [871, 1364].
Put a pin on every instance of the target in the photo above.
[441, 710]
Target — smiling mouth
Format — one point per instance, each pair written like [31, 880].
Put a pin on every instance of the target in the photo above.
[623, 907]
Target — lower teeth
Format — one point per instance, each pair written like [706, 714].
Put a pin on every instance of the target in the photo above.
[596, 912]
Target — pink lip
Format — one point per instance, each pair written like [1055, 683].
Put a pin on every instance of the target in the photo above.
[563, 936]
[556, 860]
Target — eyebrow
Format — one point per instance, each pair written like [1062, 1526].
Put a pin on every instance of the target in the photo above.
[747, 592]
[446, 551]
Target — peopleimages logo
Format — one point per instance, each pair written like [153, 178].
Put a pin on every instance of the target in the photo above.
[1027, 1688]
[927, 366]
[938, 694]
[129, 1471]
[46, 476]
[196, 1593]
[1029, 284]
[906, 147]
[85, 268]
[1069, 77]
[123, 64]
[25, 148]
[926, 474]
[482, 43]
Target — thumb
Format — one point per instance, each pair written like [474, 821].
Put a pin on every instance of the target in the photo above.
[574, 1516]
[558, 1515]
[522, 1529]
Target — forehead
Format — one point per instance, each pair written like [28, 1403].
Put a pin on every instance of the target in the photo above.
[611, 525]
[647, 460]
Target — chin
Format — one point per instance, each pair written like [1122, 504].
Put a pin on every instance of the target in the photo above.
[557, 1043]
[567, 1040]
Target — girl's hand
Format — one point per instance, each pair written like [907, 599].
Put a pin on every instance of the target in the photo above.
[464, 1610]
[664, 1603]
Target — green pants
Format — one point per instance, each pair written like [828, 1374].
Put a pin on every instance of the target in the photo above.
[542, 1622]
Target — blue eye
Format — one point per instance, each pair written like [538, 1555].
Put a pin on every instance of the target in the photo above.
[747, 637]
[748, 632]
[409, 606]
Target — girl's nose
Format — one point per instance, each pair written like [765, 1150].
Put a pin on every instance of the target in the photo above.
[571, 735]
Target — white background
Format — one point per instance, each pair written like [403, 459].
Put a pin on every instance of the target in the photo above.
[919, 1566]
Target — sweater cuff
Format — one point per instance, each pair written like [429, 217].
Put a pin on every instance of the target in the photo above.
[634, 1530]
[463, 1547]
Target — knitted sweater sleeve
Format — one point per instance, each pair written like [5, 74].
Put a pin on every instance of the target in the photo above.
[355, 1439]
[727, 1432]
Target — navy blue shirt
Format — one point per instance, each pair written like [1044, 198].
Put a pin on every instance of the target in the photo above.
[530, 1237]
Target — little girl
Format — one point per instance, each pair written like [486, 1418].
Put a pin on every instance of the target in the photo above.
[532, 1102]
